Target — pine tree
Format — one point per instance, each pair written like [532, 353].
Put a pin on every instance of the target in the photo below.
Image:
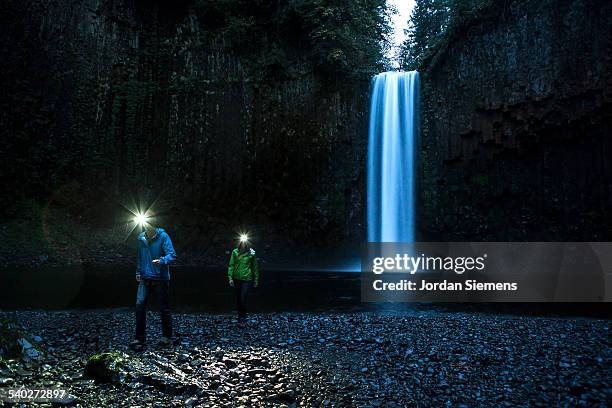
[428, 23]
[431, 21]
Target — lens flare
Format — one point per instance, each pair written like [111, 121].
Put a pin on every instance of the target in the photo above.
[244, 238]
[141, 219]
[140, 213]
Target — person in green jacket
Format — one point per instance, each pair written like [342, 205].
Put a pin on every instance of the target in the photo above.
[242, 273]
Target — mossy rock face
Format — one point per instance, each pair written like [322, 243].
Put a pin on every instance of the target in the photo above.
[106, 367]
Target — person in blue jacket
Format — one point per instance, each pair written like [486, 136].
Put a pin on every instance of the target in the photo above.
[155, 253]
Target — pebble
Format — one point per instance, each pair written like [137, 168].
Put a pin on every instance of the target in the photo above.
[377, 360]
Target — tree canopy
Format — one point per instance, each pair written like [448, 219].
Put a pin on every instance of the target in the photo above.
[330, 36]
[433, 22]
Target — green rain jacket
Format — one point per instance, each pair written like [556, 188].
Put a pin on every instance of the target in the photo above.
[243, 266]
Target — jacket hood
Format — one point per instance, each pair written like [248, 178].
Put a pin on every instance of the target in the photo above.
[158, 231]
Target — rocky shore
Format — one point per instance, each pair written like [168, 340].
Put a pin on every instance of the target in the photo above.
[352, 359]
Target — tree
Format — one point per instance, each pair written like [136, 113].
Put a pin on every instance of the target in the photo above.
[431, 22]
[427, 25]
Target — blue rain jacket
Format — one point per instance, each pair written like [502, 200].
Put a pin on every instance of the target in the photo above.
[159, 247]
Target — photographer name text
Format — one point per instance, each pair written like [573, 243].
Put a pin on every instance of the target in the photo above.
[423, 285]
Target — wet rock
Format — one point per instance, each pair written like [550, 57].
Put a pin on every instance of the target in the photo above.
[28, 350]
[196, 363]
[183, 358]
[24, 373]
[68, 401]
[230, 363]
[4, 381]
[191, 401]
[106, 367]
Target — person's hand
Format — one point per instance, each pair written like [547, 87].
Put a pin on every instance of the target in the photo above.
[138, 278]
[255, 284]
[231, 283]
[155, 261]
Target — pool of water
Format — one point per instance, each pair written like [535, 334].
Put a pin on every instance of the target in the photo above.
[205, 290]
[192, 288]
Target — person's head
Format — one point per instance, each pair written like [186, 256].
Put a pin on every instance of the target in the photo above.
[242, 245]
[150, 230]
[243, 242]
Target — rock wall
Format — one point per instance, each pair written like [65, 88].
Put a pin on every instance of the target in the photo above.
[516, 126]
[123, 102]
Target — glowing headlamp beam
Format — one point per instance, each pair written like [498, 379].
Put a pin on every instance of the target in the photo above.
[244, 238]
[141, 219]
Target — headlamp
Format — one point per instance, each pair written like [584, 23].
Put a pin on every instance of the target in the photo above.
[141, 219]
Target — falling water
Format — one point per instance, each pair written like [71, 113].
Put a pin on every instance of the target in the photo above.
[391, 146]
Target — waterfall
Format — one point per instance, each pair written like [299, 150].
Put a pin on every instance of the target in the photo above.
[391, 147]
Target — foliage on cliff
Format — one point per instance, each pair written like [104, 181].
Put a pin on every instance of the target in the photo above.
[434, 22]
[336, 38]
